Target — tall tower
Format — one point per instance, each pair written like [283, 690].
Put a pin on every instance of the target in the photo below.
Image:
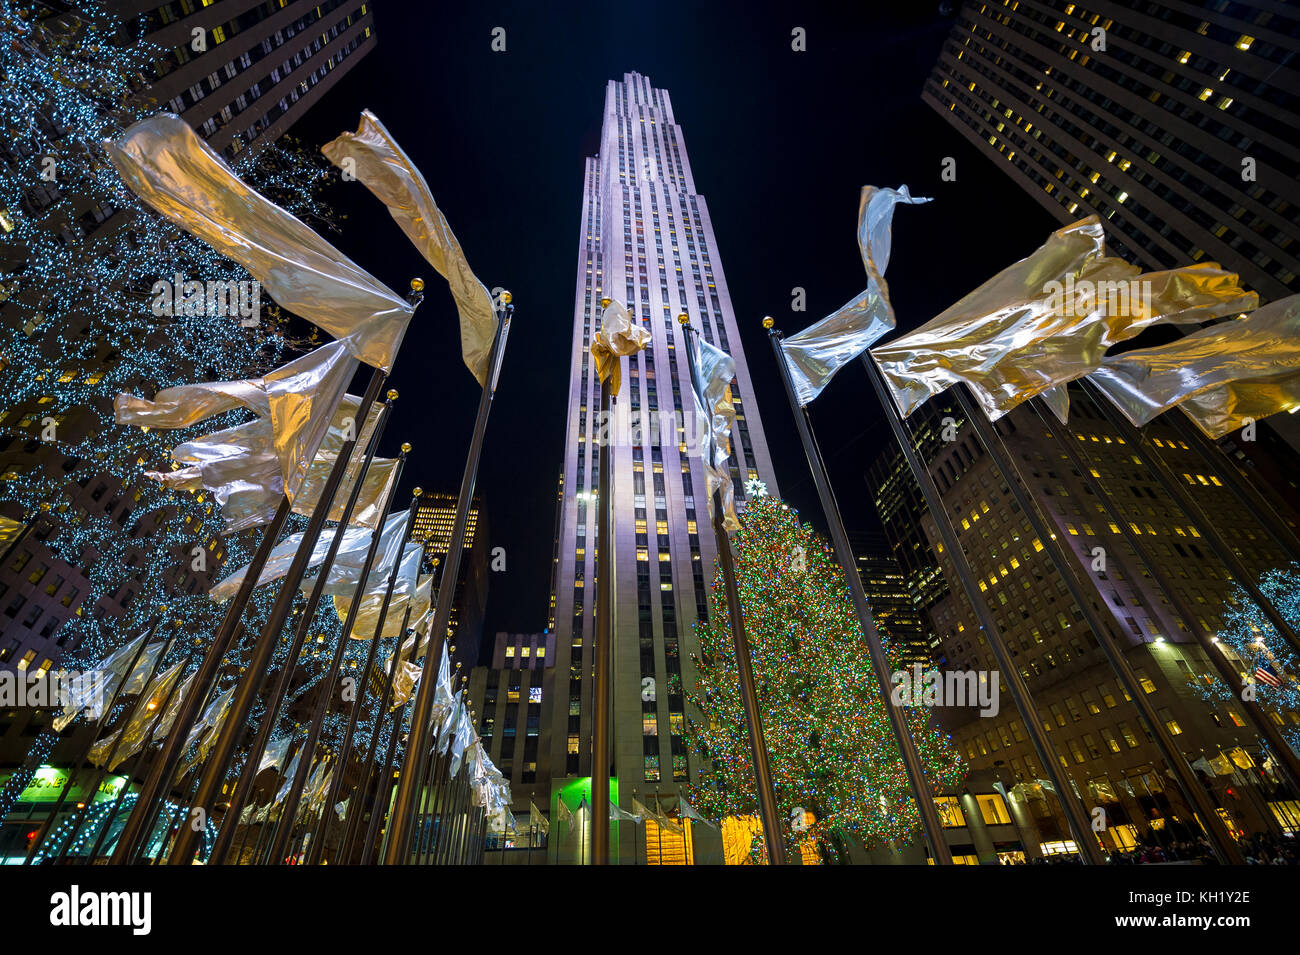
[645, 238]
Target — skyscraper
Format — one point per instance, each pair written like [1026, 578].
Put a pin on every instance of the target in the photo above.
[435, 513]
[242, 78]
[1099, 739]
[645, 239]
[1168, 120]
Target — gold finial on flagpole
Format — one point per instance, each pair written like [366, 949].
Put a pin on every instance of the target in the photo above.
[417, 492]
[683, 319]
[606, 302]
[768, 321]
[506, 297]
[392, 394]
[406, 447]
[417, 285]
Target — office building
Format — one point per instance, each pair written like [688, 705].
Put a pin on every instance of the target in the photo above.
[1094, 727]
[1171, 121]
[645, 239]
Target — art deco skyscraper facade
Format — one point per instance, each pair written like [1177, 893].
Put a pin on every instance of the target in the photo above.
[646, 239]
[1172, 121]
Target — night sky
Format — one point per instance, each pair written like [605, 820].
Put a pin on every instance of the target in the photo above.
[780, 144]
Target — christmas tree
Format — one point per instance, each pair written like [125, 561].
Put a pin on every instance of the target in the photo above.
[835, 765]
[1269, 663]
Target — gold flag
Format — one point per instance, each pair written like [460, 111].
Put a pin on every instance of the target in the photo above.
[136, 731]
[618, 337]
[169, 167]
[418, 597]
[372, 156]
[1046, 320]
[301, 400]
[347, 561]
[815, 354]
[241, 469]
[1219, 376]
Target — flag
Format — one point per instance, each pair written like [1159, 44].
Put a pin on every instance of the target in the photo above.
[690, 812]
[346, 570]
[815, 354]
[537, 818]
[304, 416]
[93, 689]
[669, 825]
[135, 732]
[463, 740]
[1265, 673]
[408, 593]
[714, 408]
[273, 755]
[622, 815]
[562, 813]
[169, 167]
[288, 777]
[618, 336]
[1219, 376]
[374, 158]
[1047, 320]
[1203, 765]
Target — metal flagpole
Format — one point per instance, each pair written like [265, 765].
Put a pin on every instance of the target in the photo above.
[740, 640]
[604, 657]
[381, 717]
[1173, 757]
[128, 714]
[330, 682]
[1263, 725]
[250, 683]
[48, 824]
[164, 764]
[1077, 816]
[253, 760]
[345, 750]
[412, 773]
[1157, 466]
[922, 791]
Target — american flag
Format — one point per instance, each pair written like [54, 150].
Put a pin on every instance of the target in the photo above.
[1266, 674]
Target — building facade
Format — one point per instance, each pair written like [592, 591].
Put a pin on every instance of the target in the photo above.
[891, 600]
[241, 72]
[1170, 121]
[645, 239]
[1100, 742]
[435, 512]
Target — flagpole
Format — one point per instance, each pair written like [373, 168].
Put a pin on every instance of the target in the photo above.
[127, 715]
[412, 772]
[165, 761]
[329, 684]
[768, 812]
[250, 683]
[1076, 815]
[252, 761]
[1174, 759]
[353, 829]
[1161, 471]
[47, 825]
[922, 791]
[354, 715]
[1263, 725]
[600, 733]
